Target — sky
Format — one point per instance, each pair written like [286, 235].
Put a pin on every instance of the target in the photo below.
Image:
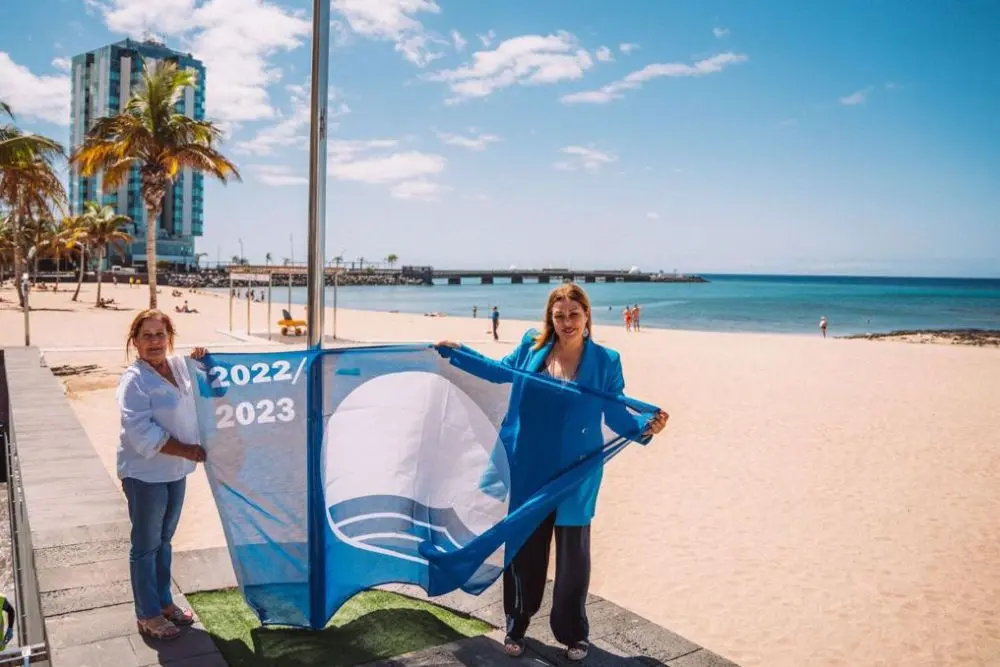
[849, 137]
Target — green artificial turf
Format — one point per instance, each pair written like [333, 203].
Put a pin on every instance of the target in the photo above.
[371, 626]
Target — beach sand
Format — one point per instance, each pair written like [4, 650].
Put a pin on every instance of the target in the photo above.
[811, 502]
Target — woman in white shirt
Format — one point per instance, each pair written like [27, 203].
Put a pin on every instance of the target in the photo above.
[158, 448]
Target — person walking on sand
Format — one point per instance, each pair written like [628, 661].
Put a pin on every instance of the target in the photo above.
[635, 317]
[564, 350]
[157, 449]
[495, 316]
[627, 316]
[822, 325]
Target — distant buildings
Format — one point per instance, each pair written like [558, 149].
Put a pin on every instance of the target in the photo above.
[102, 81]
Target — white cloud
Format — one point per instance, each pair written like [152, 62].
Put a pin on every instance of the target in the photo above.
[627, 47]
[62, 64]
[393, 20]
[614, 90]
[525, 60]
[234, 38]
[859, 97]
[292, 131]
[135, 17]
[378, 161]
[652, 215]
[277, 175]
[487, 39]
[388, 168]
[44, 97]
[476, 143]
[587, 158]
[604, 54]
[720, 32]
[419, 189]
[458, 40]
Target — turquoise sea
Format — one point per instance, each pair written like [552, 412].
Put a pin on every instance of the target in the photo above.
[772, 303]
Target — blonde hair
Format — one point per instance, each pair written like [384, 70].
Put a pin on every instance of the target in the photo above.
[149, 314]
[570, 292]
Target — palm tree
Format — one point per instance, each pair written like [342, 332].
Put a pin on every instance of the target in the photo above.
[267, 259]
[391, 259]
[38, 232]
[16, 145]
[77, 241]
[102, 230]
[154, 137]
[6, 243]
[29, 185]
[56, 243]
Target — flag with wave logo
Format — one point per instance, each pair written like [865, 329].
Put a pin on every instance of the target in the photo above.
[335, 471]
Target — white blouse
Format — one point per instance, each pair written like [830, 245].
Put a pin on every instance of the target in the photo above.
[152, 410]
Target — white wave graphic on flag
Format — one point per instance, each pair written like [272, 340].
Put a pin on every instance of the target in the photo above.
[405, 457]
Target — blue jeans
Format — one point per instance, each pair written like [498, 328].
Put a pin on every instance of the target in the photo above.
[154, 510]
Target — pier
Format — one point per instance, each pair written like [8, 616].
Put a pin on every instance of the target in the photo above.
[428, 275]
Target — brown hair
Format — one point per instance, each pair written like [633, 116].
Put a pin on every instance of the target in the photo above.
[571, 292]
[149, 314]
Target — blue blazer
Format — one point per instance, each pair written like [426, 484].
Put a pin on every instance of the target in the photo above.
[552, 424]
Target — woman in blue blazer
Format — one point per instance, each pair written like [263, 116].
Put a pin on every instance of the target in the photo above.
[563, 350]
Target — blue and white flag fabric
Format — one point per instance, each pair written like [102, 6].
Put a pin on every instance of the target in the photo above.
[335, 471]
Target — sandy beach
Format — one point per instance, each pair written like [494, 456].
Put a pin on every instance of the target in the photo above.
[812, 502]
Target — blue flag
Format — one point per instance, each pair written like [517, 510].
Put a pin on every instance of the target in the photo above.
[335, 471]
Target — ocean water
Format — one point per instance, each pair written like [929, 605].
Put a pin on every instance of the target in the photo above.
[782, 304]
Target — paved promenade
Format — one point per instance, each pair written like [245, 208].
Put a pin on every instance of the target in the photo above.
[79, 528]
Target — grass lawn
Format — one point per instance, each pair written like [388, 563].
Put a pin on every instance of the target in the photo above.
[372, 625]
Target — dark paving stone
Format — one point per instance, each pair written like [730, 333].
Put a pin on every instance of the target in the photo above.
[83, 598]
[456, 600]
[115, 652]
[485, 651]
[205, 660]
[72, 554]
[203, 570]
[643, 638]
[701, 658]
[84, 627]
[63, 490]
[193, 643]
[48, 514]
[82, 535]
[89, 574]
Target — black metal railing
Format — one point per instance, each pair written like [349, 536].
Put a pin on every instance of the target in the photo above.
[32, 639]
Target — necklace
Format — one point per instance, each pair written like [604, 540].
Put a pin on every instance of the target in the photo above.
[553, 363]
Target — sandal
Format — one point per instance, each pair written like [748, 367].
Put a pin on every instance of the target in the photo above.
[578, 651]
[158, 628]
[179, 617]
[513, 647]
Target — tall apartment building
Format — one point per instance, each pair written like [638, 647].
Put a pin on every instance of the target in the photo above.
[102, 82]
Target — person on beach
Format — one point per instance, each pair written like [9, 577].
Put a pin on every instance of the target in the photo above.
[627, 316]
[565, 351]
[158, 447]
[495, 316]
[635, 317]
[822, 325]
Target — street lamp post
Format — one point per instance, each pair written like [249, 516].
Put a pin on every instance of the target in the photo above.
[336, 283]
[25, 290]
[317, 169]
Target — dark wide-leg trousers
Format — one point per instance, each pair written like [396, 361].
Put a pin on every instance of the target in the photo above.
[524, 582]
